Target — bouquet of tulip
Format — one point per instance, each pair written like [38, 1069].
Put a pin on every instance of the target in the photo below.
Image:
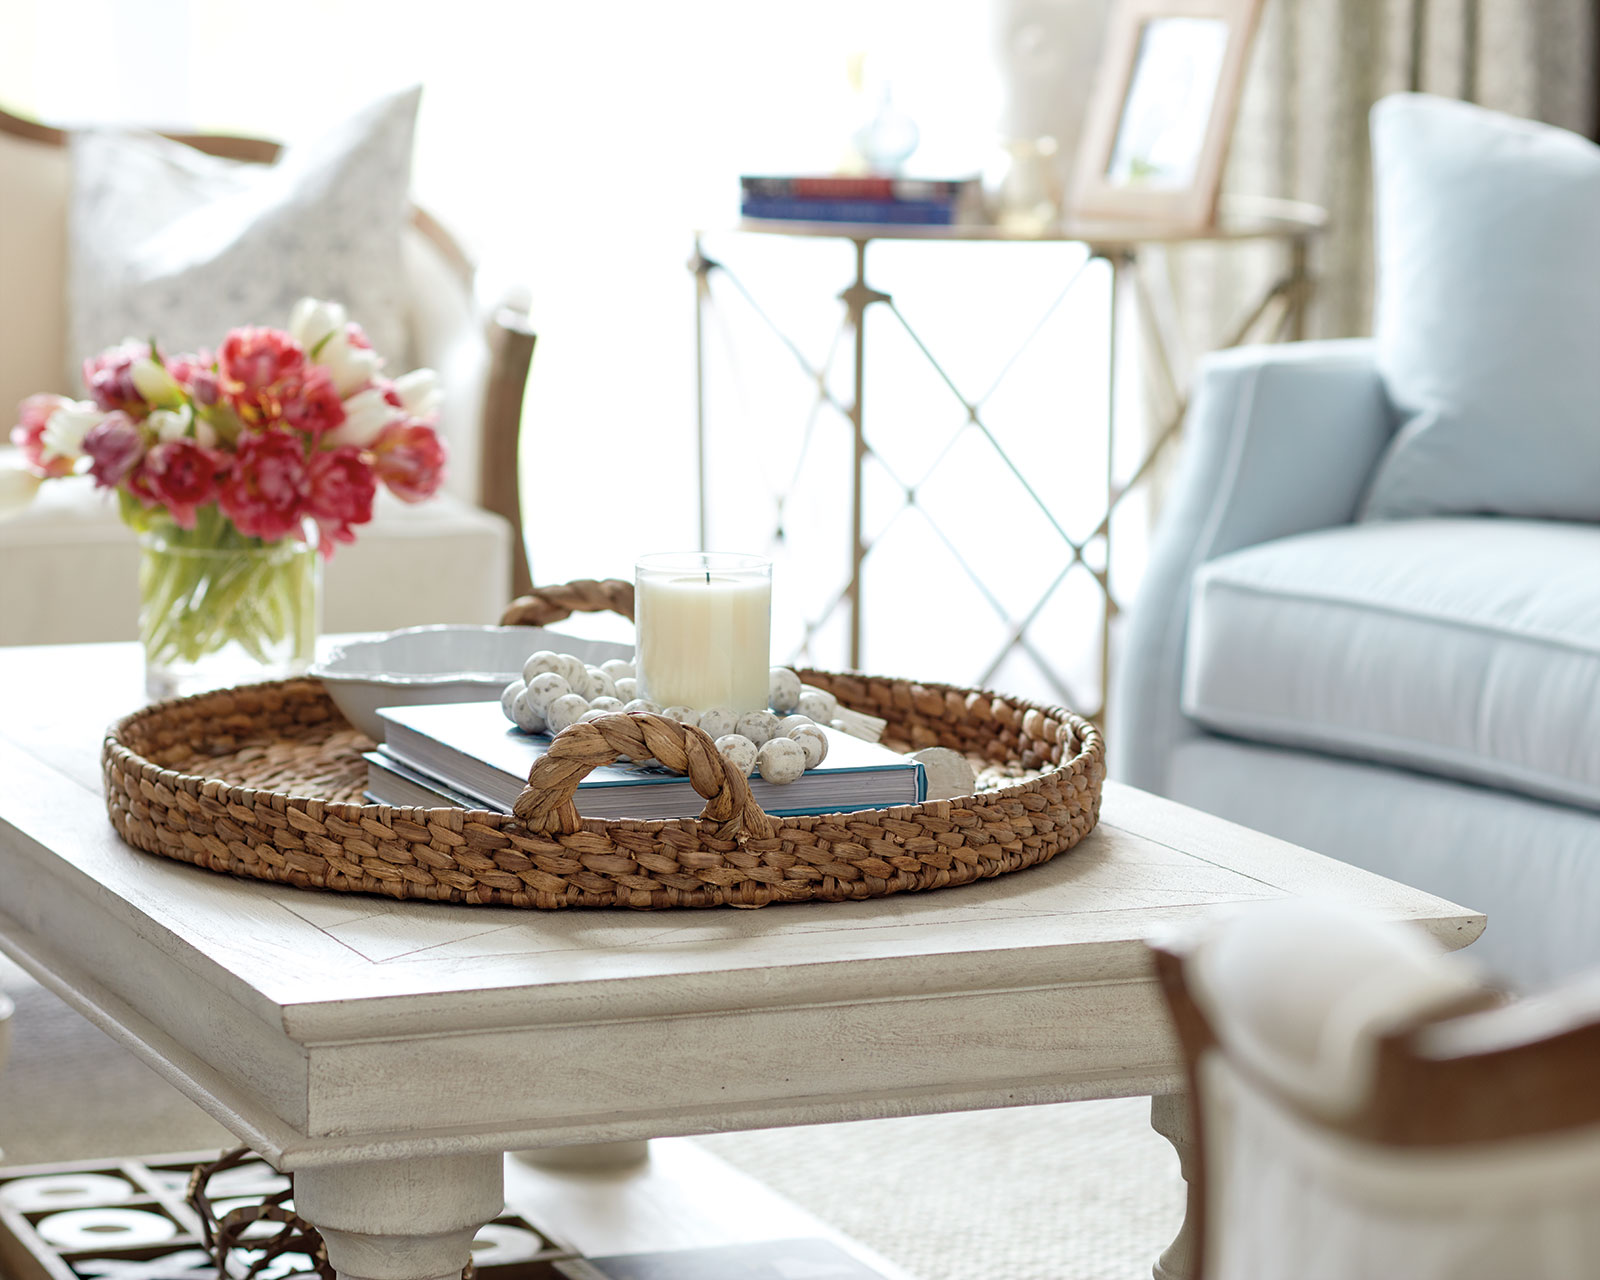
[234, 465]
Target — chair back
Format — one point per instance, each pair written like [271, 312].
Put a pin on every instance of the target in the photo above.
[1402, 1121]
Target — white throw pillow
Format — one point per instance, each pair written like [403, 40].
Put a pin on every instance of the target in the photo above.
[1488, 317]
[165, 241]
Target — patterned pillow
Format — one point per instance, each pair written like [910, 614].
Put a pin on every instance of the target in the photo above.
[166, 241]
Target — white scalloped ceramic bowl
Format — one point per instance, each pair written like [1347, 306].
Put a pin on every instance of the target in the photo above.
[423, 665]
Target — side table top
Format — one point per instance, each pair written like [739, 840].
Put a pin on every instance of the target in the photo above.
[1239, 218]
[296, 989]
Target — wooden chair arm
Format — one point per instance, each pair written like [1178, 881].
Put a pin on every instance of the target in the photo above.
[511, 343]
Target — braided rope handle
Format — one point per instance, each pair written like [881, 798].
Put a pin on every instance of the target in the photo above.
[544, 605]
[546, 803]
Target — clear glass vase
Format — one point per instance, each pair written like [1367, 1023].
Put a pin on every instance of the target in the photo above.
[217, 608]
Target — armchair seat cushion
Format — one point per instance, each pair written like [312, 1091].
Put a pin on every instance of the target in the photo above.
[69, 569]
[1467, 648]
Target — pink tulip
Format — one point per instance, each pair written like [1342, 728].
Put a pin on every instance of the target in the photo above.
[259, 367]
[314, 405]
[179, 475]
[33, 414]
[109, 377]
[265, 492]
[197, 374]
[409, 457]
[114, 447]
[343, 486]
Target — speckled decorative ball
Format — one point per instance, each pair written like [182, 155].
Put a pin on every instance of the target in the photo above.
[508, 694]
[738, 751]
[545, 688]
[525, 715]
[538, 663]
[813, 741]
[594, 713]
[789, 724]
[720, 721]
[613, 705]
[572, 670]
[758, 726]
[618, 669]
[641, 705]
[820, 706]
[566, 710]
[783, 690]
[781, 761]
[601, 683]
[627, 688]
[683, 715]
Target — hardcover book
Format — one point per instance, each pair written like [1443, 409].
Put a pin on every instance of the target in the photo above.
[855, 187]
[899, 212]
[466, 754]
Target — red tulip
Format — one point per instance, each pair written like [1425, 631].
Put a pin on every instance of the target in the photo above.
[409, 457]
[265, 492]
[343, 486]
[179, 475]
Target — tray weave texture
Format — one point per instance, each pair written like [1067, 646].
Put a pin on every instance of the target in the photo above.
[265, 781]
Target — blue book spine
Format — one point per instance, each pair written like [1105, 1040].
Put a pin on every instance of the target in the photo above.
[939, 213]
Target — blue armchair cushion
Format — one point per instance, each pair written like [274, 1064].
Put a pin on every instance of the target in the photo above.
[1488, 312]
[1463, 647]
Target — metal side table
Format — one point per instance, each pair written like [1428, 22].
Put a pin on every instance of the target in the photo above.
[1276, 313]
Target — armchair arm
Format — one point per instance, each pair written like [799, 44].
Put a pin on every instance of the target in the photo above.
[511, 342]
[1279, 440]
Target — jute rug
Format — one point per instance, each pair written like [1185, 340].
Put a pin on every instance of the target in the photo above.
[1085, 1191]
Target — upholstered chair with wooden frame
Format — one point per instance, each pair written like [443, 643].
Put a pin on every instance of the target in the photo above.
[1367, 1109]
[68, 568]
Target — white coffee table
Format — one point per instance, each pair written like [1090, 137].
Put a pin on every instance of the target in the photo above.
[389, 1053]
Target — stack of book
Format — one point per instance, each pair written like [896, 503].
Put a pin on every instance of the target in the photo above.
[465, 754]
[865, 199]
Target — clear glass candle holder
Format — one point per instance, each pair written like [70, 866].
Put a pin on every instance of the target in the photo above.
[704, 622]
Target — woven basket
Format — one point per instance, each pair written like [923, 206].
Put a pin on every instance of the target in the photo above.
[265, 781]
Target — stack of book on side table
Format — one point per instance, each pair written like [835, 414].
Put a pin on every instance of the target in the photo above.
[865, 199]
[465, 754]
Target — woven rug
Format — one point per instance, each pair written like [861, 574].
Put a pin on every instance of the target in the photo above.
[1085, 1191]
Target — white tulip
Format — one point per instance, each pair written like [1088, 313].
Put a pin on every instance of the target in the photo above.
[17, 487]
[154, 383]
[365, 414]
[419, 392]
[350, 366]
[312, 320]
[320, 327]
[65, 429]
[169, 424]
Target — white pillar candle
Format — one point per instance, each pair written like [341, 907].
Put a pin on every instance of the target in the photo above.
[704, 624]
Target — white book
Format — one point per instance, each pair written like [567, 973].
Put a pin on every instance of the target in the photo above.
[468, 750]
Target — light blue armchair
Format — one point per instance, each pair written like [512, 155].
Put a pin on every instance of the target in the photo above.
[1417, 697]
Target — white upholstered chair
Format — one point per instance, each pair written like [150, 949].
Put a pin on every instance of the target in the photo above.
[68, 567]
[1368, 1110]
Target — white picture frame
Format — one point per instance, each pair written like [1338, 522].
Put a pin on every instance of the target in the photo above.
[1162, 112]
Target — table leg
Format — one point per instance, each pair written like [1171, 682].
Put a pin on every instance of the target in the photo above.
[1169, 1116]
[402, 1219]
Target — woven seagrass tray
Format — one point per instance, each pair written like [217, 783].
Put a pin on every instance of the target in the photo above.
[266, 781]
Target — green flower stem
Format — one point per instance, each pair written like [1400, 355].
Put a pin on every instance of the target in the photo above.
[204, 588]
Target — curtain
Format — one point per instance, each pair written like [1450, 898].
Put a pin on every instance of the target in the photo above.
[1317, 68]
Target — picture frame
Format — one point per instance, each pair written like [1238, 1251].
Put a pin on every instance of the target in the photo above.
[1162, 111]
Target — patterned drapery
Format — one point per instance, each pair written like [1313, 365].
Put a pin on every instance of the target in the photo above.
[1317, 68]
